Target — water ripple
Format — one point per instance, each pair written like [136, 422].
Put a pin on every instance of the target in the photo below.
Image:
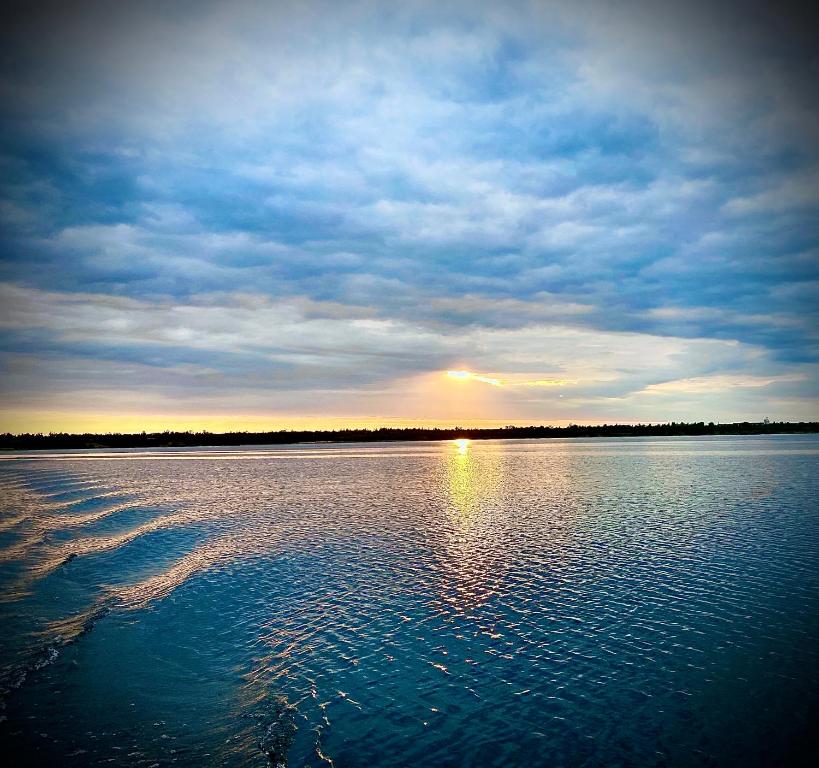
[584, 603]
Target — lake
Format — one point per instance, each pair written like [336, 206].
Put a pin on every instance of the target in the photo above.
[601, 602]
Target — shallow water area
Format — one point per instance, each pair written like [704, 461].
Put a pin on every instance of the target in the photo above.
[494, 603]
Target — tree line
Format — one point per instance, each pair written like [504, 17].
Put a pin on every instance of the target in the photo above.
[168, 439]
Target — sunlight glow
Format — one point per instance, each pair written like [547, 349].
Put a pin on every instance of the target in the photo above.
[462, 444]
[514, 381]
[547, 383]
[469, 376]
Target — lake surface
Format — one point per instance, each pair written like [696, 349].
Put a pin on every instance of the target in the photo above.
[630, 602]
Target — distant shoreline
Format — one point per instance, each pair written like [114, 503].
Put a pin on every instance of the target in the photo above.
[52, 441]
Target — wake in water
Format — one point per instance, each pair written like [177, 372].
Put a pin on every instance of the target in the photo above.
[510, 604]
[36, 518]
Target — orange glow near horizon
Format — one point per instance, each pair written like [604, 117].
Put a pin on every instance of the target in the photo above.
[443, 399]
[20, 421]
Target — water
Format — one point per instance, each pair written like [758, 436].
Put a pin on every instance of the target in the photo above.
[523, 603]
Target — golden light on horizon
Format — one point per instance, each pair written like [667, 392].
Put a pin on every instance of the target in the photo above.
[462, 444]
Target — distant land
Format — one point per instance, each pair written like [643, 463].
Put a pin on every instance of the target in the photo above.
[60, 440]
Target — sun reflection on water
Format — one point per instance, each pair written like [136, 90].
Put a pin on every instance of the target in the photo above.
[462, 444]
[472, 545]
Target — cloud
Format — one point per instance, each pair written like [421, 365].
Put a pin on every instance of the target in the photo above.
[349, 195]
[718, 383]
[469, 376]
[239, 351]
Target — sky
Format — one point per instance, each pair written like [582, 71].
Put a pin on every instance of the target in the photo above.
[263, 215]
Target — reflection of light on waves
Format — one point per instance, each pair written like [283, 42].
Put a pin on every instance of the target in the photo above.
[55, 556]
[129, 597]
[52, 524]
[55, 522]
[92, 545]
[134, 596]
[213, 554]
[33, 507]
[473, 537]
[155, 587]
[216, 552]
[12, 522]
[41, 515]
[291, 642]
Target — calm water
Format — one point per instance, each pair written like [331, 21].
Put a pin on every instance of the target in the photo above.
[532, 603]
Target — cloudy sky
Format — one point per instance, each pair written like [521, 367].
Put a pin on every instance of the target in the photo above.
[274, 214]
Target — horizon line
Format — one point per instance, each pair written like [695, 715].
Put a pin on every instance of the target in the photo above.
[188, 438]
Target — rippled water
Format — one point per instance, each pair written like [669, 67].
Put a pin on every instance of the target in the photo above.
[520, 603]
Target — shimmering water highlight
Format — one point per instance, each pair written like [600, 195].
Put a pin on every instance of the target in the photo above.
[516, 603]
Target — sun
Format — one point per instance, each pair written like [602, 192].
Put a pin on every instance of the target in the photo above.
[462, 444]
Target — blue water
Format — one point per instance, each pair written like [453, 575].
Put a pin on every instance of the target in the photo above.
[631, 602]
